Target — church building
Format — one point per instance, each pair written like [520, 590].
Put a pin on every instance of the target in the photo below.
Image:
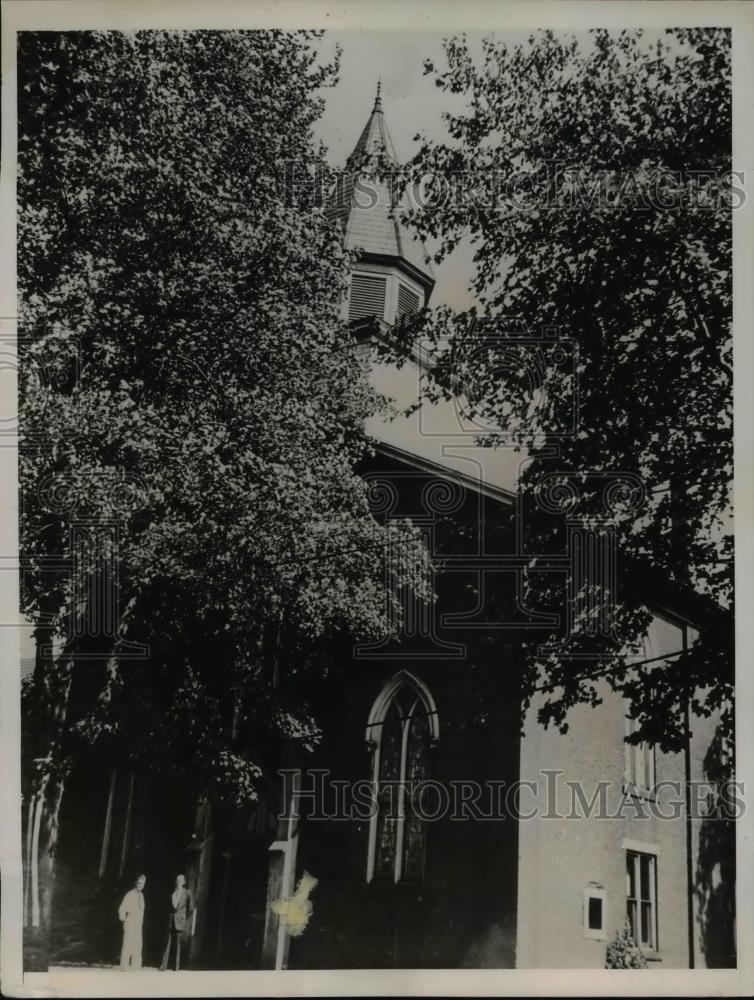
[443, 828]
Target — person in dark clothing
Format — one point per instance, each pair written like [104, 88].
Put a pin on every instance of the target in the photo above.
[179, 925]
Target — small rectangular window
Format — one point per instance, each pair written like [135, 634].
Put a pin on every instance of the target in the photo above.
[595, 905]
[367, 297]
[641, 898]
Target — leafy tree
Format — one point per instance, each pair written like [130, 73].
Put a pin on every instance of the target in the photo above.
[187, 378]
[592, 175]
[624, 953]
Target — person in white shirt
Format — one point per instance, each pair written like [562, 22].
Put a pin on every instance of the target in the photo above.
[131, 915]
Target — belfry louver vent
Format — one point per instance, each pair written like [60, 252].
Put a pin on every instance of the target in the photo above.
[367, 297]
[408, 301]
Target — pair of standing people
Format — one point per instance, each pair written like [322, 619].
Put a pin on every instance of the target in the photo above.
[131, 914]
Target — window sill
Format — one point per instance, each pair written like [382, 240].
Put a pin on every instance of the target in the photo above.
[649, 795]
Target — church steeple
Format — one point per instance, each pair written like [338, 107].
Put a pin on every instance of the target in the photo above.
[392, 275]
[375, 138]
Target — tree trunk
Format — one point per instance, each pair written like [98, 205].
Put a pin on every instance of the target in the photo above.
[48, 770]
[44, 784]
[681, 536]
[40, 865]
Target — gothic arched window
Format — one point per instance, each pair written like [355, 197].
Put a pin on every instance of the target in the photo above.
[402, 727]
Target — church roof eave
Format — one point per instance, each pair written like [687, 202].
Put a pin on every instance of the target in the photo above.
[424, 278]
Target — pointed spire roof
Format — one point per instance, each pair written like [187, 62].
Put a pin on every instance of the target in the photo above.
[375, 137]
[366, 210]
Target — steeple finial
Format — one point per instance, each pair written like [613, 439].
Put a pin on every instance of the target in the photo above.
[378, 98]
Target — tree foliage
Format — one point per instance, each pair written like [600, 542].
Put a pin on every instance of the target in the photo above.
[186, 376]
[592, 175]
[624, 953]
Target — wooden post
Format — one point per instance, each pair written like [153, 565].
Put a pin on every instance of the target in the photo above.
[281, 882]
[38, 809]
[274, 891]
[108, 825]
[27, 868]
[227, 855]
[689, 830]
[127, 826]
[198, 874]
